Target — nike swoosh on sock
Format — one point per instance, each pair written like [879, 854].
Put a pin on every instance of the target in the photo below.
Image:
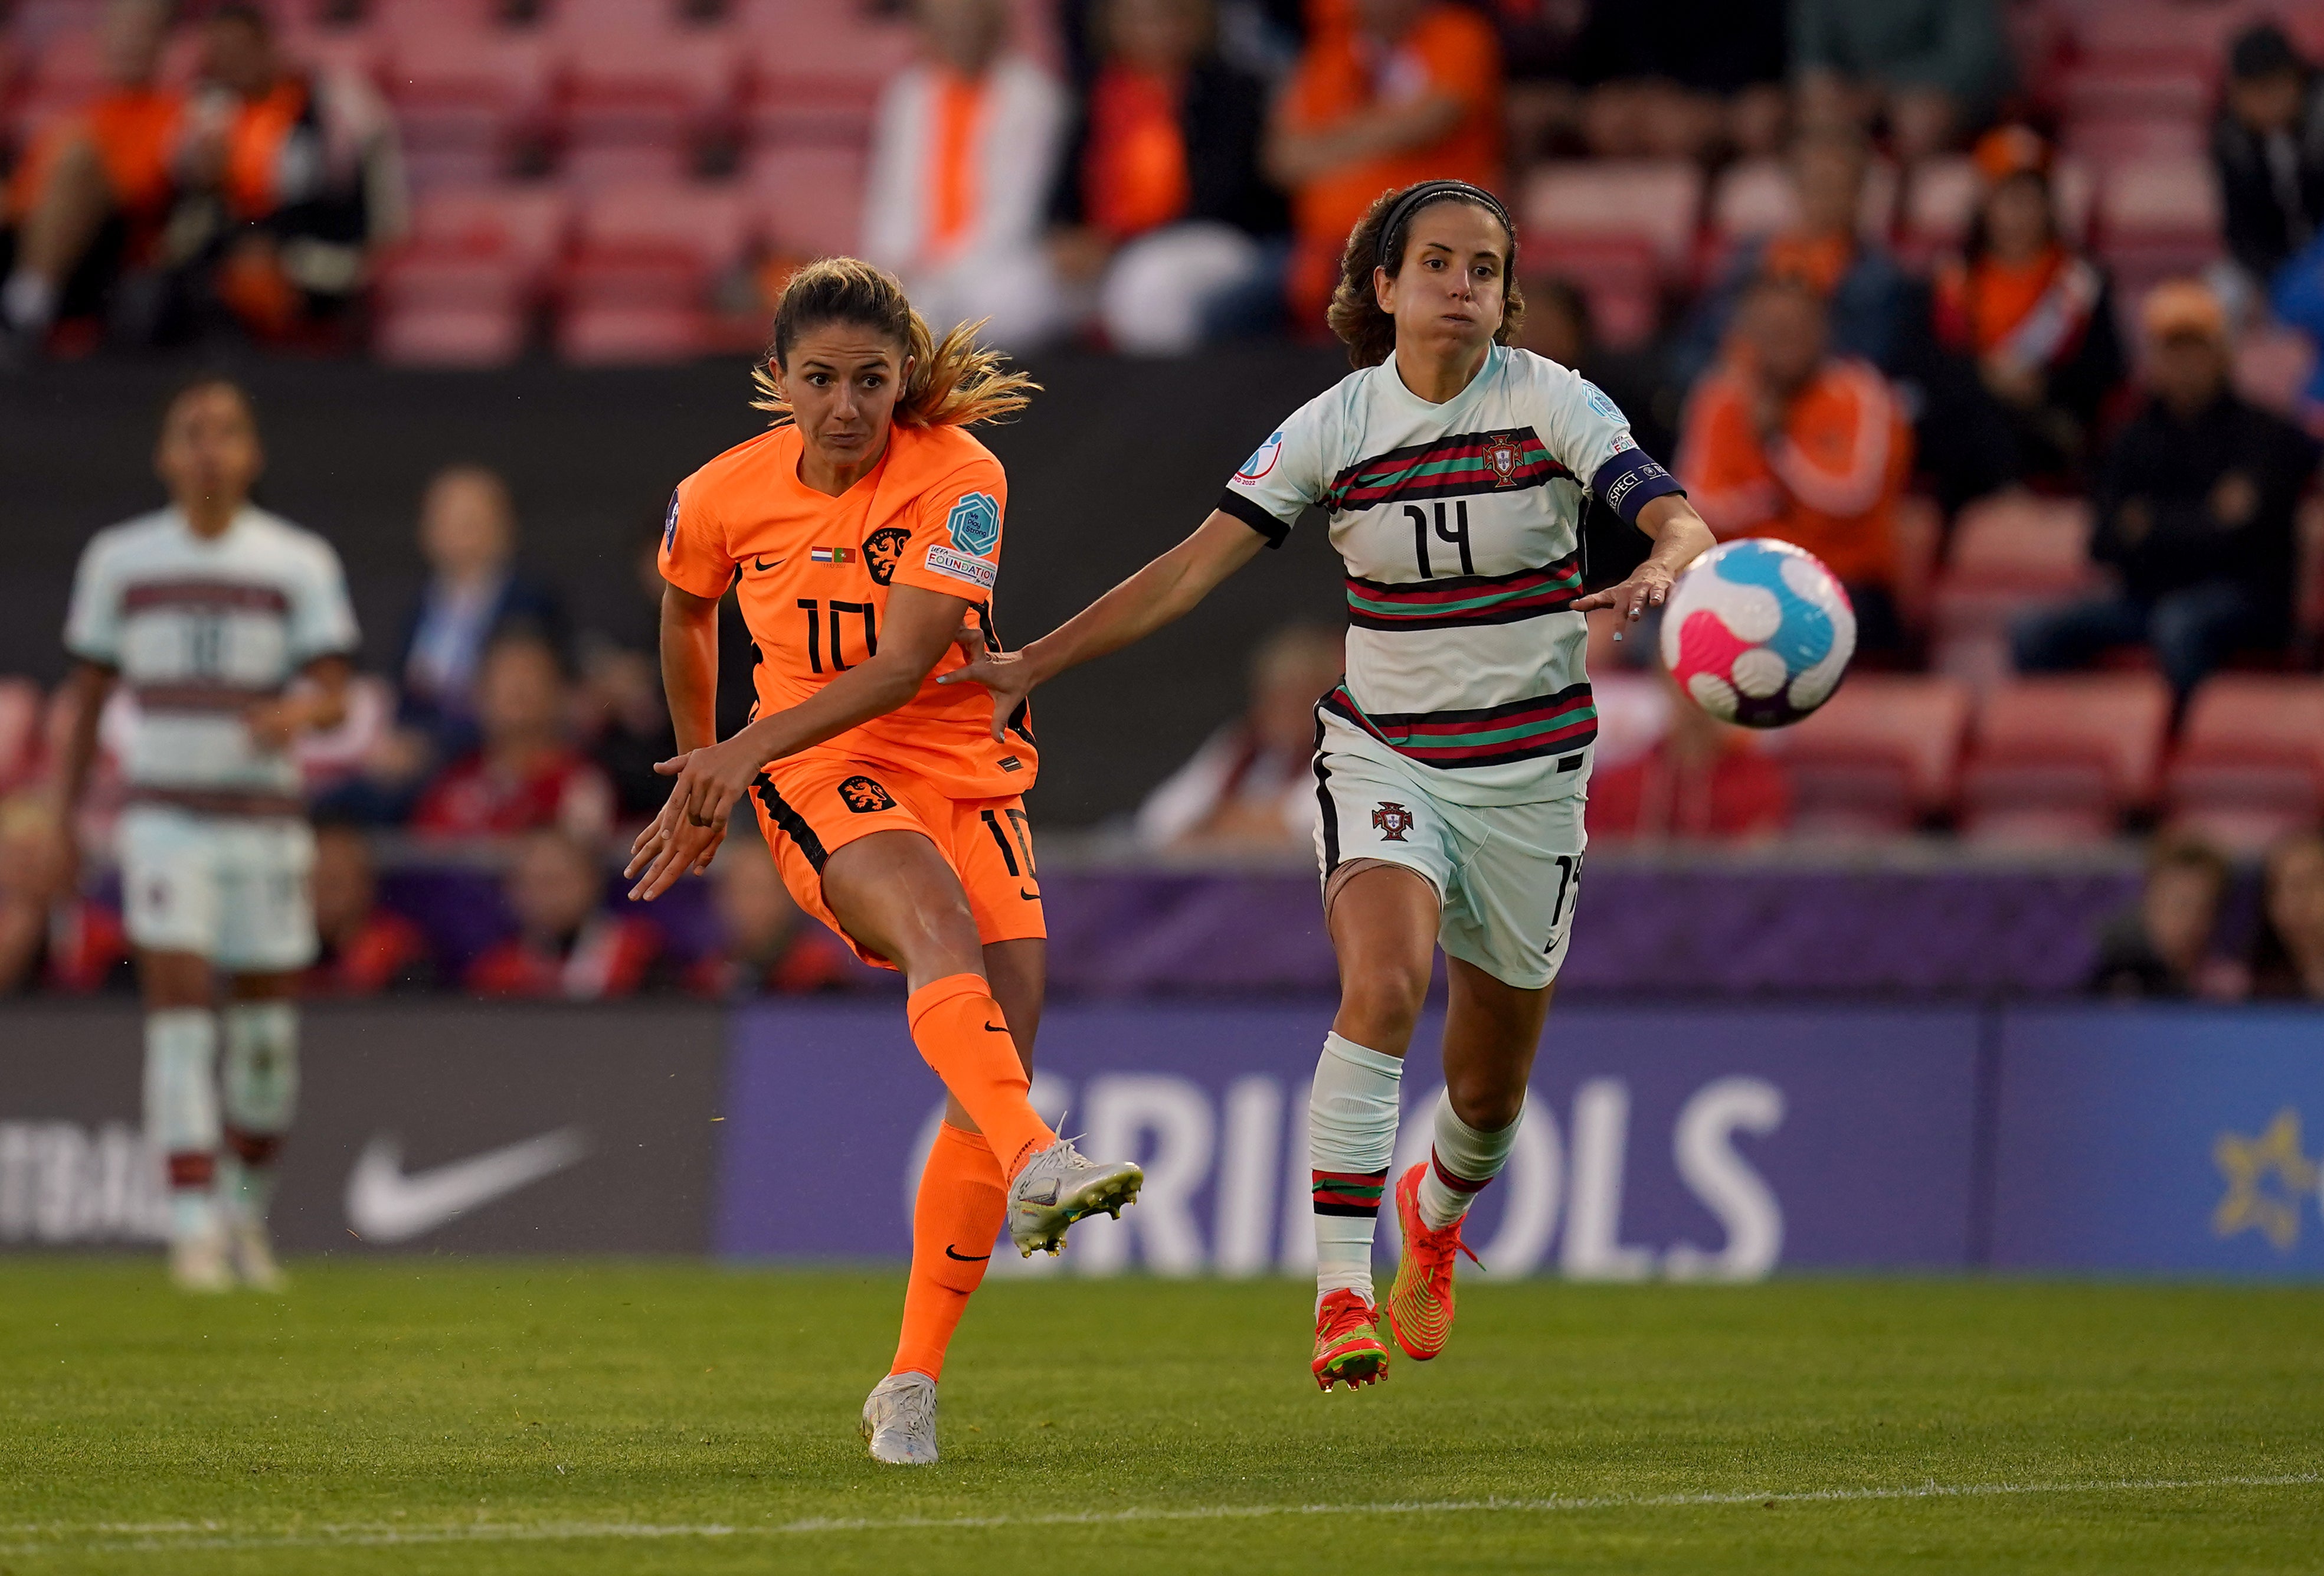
[965, 1257]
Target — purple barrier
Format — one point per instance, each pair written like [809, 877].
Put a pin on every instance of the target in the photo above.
[1685, 1143]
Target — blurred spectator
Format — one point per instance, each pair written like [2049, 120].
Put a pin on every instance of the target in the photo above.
[2268, 144]
[964, 158]
[1702, 779]
[627, 724]
[51, 938]
[88, 199]
[1558, 325]
[294, 181]
[1787, 440]
[2162, 946]
[2194, 508]
[2027, 329]
[1161, 192]
[1403, 90]
[1871, 301]
[526, 774]
[366, 950]
[770, 947]
[2289, 959]
[567, 945]
[1250, 785]
[468, 535]
[1679, 79]
[1627, 685]
[1926, 70]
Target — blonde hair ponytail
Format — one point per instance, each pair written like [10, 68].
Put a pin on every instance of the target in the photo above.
[956, 382]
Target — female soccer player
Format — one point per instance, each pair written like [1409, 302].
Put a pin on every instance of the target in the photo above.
[865, 527]
[1450, 761]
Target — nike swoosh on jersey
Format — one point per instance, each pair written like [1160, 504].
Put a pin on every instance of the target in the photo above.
[387, 1204]
[965, 1257]
[1029, 897]
[762, 566]
[995, 1028]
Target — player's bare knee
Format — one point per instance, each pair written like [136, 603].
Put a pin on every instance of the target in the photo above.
[1380, 1004]
[1485, 1102]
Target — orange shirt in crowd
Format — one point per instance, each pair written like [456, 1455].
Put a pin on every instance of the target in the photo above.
[815, 573]
[1134, 175]
[253, 148]
[136, 131]
[1450, 51]
[952, 187]
[1828, 482]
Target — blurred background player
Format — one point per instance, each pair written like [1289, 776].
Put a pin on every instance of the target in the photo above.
[864, 531]
[1450, 762]
[232, 631]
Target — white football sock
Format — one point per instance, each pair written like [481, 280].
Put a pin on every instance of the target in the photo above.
[260, 1075]
[1461, 1162]
[181, 1110]
[1351, 1140]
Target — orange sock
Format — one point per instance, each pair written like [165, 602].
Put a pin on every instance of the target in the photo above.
[955, 1221]
[958, 1027]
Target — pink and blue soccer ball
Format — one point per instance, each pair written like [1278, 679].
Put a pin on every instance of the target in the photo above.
[1758, 632]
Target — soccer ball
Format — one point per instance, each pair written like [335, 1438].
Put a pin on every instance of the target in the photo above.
[1758, 632]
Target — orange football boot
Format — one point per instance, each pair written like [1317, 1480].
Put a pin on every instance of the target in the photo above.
[1420, 1301]
[1348, 1347]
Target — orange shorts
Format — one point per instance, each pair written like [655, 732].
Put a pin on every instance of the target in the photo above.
[812, 805]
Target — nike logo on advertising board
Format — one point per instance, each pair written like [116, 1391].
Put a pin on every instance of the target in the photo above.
[386, 1204]
[965, 1257]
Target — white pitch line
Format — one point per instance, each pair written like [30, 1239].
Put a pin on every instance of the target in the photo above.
[208, 1534]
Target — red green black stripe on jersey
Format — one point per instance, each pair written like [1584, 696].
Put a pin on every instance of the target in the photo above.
[1517, 730]
[1466, 601]
[1461, 465]
[1350, 1192]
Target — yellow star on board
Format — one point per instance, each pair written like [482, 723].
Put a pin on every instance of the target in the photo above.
[2247, 1163]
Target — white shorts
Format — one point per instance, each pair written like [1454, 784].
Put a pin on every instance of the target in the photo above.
[231, 890]
[1507, 876]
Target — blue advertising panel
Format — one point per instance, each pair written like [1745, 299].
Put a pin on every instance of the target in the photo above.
[1682, 1143]
[2182, 1139]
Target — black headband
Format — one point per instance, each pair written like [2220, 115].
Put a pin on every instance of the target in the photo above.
[1429, 191]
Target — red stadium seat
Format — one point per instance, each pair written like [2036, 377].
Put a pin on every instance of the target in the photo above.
[810, 200]
[2157, 219]
[707, 224]
[2059, 760]
[1755, 198]
[638, 285]
[2272, 364]
[2011, 554]
[465, 98]
[1650, 203]
[1939, 200]
[528, 224]
[640, 100]
[815, 69]
[448, 309]
[1881, 755]
[2250, 765]
[2158, 34]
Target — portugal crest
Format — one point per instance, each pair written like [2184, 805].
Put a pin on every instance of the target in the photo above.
[1392, 820]
[1501, 453]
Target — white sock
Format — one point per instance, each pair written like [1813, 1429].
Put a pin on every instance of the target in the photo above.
[1350, 1140]
[1461, 1161]
[181, 1110]
[28, 300]
[260, 1077]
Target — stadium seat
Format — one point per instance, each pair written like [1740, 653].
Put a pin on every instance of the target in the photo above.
[2250, 764]
[1939, 200]
[1647, 202]
[1881, 755]
[2157, 219]
[1754, 198]
[809, 200]
[640, 101]
[467, 99]
[2011, 554]
[528, 224]
[2131, 35]
[444, 307]
[814, 70]
[637, 286]
[2272, 365]
[2059, 760]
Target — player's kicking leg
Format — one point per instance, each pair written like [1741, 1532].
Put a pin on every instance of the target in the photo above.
[1491, 1031]
[259, 1080]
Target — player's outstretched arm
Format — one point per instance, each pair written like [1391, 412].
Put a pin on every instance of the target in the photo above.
[919, 628]
[1680, 538]
[1165, 589]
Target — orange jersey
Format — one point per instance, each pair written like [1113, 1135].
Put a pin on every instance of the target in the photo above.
[136, 132]
[815, 577]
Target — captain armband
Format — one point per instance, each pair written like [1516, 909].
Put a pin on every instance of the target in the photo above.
[1632, 479]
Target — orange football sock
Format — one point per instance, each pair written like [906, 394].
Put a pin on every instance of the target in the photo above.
[955, 1221]
[959, 1029]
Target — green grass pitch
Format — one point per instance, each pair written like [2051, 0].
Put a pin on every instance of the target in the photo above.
[447, 1415]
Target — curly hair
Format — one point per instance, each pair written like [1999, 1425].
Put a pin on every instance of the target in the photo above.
[955, 382]
[1355, 315]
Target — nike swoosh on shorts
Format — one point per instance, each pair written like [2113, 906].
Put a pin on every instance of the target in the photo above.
[386, 1204]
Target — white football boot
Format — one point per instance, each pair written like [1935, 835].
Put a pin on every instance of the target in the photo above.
[1057, 1187]
[254, 1255]
[200, 1261]
[899, 1420]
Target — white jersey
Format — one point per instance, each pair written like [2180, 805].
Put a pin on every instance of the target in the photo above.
[1460, 525]
[200, 630]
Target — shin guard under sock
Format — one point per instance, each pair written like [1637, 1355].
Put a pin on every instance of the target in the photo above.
[961, 1033]
[1351, 1140]
[1461, 1160]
